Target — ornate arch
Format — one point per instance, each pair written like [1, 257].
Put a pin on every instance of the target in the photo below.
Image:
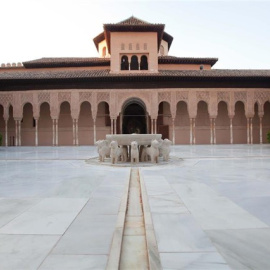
[123, 97]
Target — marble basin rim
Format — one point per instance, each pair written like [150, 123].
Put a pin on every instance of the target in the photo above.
[126, 139]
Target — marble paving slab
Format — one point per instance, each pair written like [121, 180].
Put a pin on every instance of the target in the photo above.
[25, 252]
[11, 208]
[193, 261]
[180, 233]
[74, 262]
[88, 234]
[50, 216]
[243, 249]
[213, 211]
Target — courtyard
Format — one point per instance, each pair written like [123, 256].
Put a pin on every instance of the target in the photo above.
[208, 208]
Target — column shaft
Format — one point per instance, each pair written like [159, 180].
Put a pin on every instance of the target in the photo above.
[214, 129]
[6, 132]
[173, 131]
[261, 140]
[20, 136]
[251, 131]
[194, 131]
[248, 131]
[36, 132]
[56, 132]
[77, 131]
[231, 131]
[53, 131]
[73, 131]
[94, 131]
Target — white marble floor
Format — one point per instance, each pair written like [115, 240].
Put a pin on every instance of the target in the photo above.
[209, 211]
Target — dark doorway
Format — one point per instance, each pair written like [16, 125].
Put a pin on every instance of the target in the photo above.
[134, 120]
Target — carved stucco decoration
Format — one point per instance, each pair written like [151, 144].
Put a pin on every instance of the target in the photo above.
[6, 99]
[43, 97]
[181, 96]
[240, 96]
[261, 97]
[64, 96]
[223, 96]
[103, 96]
[123, 97]
[26, 98]
[164, 96]
[203, 96]
[85, 96]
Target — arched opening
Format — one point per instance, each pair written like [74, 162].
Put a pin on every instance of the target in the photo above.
[266, 120]
[239, 123]
[103, 51]
[65, 132]
[134, 65]
[144, 63]
[256, 124]
[85, 124]
[202, 124]
[45, 125]
[103, 121]
[222, 124]
[2, 124]
[164, 120]
[11, 127]
[124, 62]
[181, 121]
[134, 119]
[28, 126]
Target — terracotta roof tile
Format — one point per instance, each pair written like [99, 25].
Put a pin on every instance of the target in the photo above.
[105, 74]
[133, 21]
[186, 60]
[67, 62]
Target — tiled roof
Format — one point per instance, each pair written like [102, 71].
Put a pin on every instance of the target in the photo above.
[67, 62]
[133, 21]
[105, 74]
[96, 61]
[186, 60]
[132, 24]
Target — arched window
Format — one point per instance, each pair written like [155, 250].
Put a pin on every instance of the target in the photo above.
[134, 65]
[144, 63]
[124, 62]
[161, 50]
[104, 52]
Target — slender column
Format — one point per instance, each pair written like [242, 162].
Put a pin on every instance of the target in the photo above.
[152, 124]
[36, 132]
[6, 132]
[16, 132]
[173, 131]
[155, 124]
[77, 131]
[211, 130]
[115, 131]
[214, 130]
[261, 140]
[53, 131]
[251, 131]
[111, 125]
[56, 132]
[191, 130]
[194, 131]
[231, 130]
[95, 134]
[73, 131]
[20, 136]
[248, 137]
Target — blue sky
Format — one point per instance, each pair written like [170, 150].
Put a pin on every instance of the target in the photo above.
[237, 32]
